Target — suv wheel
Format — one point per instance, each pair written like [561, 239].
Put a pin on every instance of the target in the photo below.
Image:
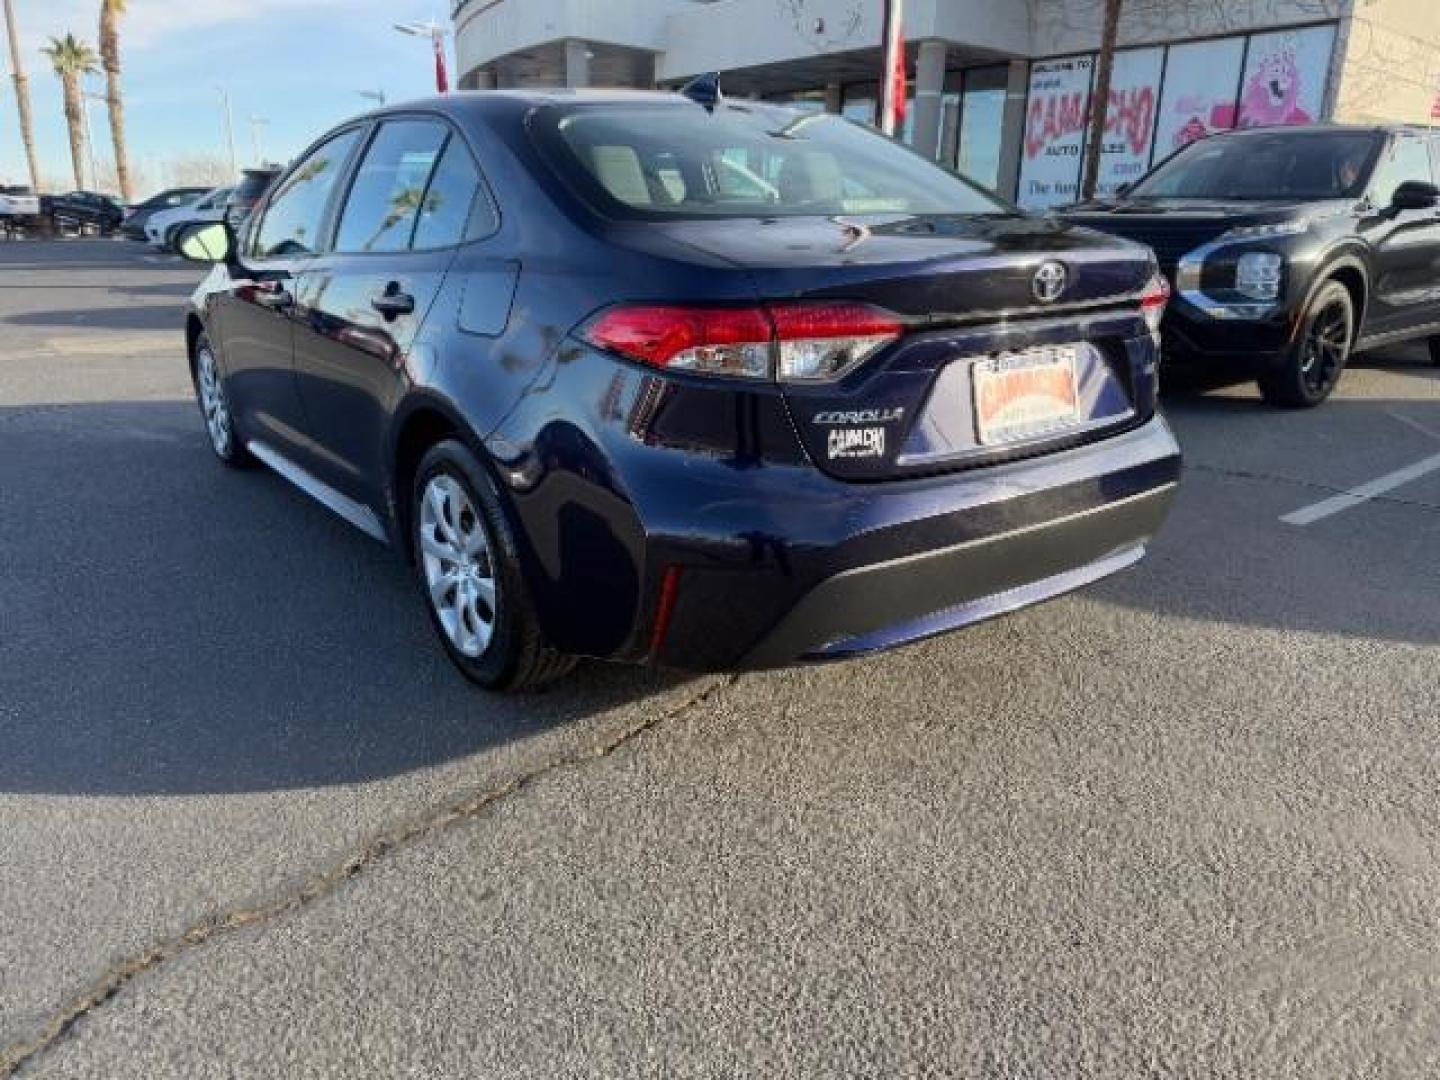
[215, 406]
[468, 570]
[1313, 365]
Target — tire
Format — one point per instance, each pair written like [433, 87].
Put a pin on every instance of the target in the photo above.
[467, 566]
[214, 405]
[168, 243]
[1312, 366]
[1435, 350]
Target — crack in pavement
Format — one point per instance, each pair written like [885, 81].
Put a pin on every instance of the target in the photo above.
[1313, 485]
[322, 885]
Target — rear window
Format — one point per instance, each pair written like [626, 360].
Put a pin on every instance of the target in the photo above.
[668, 161]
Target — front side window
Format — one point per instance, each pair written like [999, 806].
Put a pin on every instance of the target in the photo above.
[657, 162]
[1268, 165]
[390, 187]
[1408, 159]
[295, 216]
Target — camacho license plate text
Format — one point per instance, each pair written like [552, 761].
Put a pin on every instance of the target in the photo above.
[1022, 395]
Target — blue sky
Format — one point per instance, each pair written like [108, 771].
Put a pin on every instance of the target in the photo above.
[299, 64]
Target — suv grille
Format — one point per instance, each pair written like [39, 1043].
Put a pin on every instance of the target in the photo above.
[1170, 239]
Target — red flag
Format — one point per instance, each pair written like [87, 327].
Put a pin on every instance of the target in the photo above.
[892, 87]
[442, 80]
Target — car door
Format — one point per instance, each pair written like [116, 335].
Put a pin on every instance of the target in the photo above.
[360, 305]
[1405, 294]
[254, 310]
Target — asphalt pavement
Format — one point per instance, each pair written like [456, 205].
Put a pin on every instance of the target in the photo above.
[251, 824]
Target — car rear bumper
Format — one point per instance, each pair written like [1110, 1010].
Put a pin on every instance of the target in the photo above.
[902, 600]
[908, 560]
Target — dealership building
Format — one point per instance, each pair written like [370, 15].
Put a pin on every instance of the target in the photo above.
[998, 88]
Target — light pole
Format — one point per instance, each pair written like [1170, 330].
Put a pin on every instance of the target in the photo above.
[436, 33]
[229, 130]
[86, 97]
[257, 126]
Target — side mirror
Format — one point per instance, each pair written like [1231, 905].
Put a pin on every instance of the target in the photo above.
[1415, 195]
[206, 241]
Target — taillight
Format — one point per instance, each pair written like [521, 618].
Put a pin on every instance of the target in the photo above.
[1153, 301]
[825, 340]
[716, 341]
[790, 341]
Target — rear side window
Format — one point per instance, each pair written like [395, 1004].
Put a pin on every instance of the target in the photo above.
[416, 189]
[390, 187]
[453, 209]
[294, 217]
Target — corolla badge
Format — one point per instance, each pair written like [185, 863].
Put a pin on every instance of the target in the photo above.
[1049, 282]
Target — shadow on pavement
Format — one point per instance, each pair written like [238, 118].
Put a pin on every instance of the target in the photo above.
[172, 626]
[1368, 572]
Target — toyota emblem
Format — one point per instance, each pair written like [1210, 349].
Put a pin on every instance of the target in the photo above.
[1049, 282]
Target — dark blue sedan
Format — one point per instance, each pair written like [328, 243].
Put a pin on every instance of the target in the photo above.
[709, 384]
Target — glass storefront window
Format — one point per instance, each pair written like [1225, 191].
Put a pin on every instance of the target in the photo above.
[859, 101]
[982, 111]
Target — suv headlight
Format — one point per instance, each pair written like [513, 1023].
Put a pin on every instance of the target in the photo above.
[1257, 275]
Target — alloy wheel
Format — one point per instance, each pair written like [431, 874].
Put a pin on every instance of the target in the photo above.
[459, 569]
[212, 401]
[1325, 349]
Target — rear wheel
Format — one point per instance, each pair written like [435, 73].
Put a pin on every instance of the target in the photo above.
[1313, 365]
[468, 570]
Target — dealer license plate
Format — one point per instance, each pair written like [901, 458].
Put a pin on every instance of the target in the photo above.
[1026, 394]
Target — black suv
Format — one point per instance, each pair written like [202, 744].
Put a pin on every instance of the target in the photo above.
[80, 208]
[1290, 248]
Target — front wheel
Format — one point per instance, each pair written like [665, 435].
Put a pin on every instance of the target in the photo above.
[1313, 364]
[468, 569]
[215, 406]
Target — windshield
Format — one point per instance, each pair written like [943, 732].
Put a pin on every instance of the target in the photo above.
[664, 161]
[1270, 165]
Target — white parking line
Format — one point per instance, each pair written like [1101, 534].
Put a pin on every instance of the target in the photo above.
[1308, 515]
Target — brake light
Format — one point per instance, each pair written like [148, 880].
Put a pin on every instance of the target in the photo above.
[1153, 301]
[789, 341]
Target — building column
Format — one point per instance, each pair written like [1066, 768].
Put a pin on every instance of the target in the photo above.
[929, 87]
[478, 79]
[833, 97]
[1012, 128]
[577, 62]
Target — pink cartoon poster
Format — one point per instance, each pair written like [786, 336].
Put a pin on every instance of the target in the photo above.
[1285, 76]
[1199, 98]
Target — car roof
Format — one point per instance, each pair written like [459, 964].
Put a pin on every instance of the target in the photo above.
[1322, 129]
[470, 102]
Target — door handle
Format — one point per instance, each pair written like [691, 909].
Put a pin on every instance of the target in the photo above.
[393, 302]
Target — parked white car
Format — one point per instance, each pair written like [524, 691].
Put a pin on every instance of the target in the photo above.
[162, 228]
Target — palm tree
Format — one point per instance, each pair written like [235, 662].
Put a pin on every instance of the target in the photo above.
[22, 95]
[72, 61]
[110, 12]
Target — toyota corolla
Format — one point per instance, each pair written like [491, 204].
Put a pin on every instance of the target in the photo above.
[669, 378]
